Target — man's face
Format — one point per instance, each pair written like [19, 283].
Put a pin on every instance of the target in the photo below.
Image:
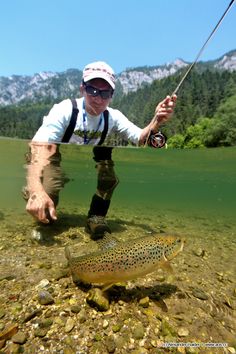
[95, 105]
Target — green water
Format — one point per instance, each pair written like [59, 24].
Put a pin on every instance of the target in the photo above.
[191, 193]
[186, 184]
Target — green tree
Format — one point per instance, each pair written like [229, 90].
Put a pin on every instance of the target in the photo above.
[223, 129]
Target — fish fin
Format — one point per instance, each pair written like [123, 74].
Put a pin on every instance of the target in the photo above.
[67, 253]
[107, 242]
[107, 286]
[167, 266]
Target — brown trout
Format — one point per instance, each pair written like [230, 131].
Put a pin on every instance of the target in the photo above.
[122, 261]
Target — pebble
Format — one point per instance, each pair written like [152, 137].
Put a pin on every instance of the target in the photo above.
[110, 344]
[44, 283]
[30, 315]
[105, 324]
[70, 324]
[144, 302]
[19, 338]
[45, 298]
[8, 332]
[166, 329]
[200, 294]
[75, 308]
[16, 308]
[183, 332]
[2, 343]
[45, 323]
[138, 331]
[2, 313]
[199, 252]
[96, 298]
[13, 348]
[117, 327]
[59, 321]
[36, 235]
[7, 276]
[82, 317]
[68, 350]
[181, 350]
[40, 332]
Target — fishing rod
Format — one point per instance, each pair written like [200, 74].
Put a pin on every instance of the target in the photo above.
[158, 140]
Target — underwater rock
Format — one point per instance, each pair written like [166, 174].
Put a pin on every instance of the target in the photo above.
[199, 252]
[96, 298]
[31, 314]
[144, 302]
[75, 308]
[9, 332]
[7, 276]
[40, 332]
[110, 344]
[199, 294]
[82, 317]
[70, 324]
[2, 343]
[13, 348]
[138, 330]
[45, 298]
[183, 332]
[19, 338]
[45, 322]
[117, 327]
[166, 329]
[43, 284]
[105, 324]
[2, 313]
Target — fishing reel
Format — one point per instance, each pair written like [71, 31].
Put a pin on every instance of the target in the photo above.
[157, 140]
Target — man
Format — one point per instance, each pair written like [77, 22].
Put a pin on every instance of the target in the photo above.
[87, 120]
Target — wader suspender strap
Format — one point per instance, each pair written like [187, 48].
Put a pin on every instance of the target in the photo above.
[70, 129]
[105, 129]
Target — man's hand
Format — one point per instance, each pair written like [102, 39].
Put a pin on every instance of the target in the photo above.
[163, 111]
[41, 206]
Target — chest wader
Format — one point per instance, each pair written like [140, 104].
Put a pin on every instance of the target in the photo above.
[52, 179]
[106, 181]
[106, 178]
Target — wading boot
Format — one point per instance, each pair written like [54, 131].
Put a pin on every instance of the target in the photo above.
[97, 226]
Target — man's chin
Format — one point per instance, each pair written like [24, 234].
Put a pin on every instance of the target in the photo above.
[94, 111]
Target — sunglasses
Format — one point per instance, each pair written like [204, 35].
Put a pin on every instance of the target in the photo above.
[93, 91]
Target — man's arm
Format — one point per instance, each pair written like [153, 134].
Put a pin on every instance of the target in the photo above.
[163, 112]
[39, 202]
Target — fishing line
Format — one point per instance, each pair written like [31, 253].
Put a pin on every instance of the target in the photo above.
[158, 139]
[203, 47]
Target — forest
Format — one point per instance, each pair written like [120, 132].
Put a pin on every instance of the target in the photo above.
[205, 114]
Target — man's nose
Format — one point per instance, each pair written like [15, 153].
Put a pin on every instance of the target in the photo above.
[98, 99]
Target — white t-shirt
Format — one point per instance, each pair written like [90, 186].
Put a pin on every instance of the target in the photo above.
[56, 122]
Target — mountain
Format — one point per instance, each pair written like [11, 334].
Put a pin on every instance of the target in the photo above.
[45, 86]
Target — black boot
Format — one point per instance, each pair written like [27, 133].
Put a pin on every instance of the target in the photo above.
[96, 223]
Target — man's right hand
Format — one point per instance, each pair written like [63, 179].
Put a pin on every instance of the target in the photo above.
[39, 205]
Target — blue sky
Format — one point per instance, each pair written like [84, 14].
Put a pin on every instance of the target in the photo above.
[55, 35]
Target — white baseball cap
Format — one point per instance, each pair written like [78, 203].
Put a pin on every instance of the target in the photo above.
[101, 70]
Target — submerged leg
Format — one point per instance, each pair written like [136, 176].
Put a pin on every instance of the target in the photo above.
[106, 184]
